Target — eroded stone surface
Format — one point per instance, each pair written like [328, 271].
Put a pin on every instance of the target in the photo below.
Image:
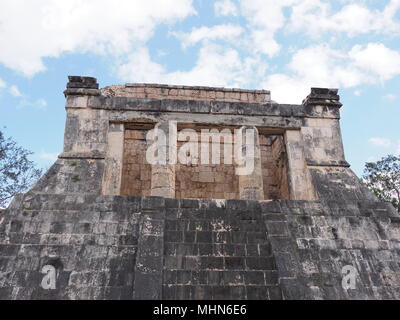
[104, 245]
[158, 91]
[113, 247]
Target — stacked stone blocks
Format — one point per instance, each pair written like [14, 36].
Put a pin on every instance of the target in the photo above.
[217, 250]
[155, 248]
[157, 91]
[107, 246]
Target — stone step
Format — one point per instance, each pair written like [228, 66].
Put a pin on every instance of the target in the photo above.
[218, 253]
[221, 292]
[217, 249]
[218, 263]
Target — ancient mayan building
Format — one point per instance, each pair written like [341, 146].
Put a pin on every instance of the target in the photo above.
[113, 226]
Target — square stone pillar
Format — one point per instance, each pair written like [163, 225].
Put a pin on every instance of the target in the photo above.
[323, 145]
[112, 178]
[163, 173]
[250, 182]
[86, 127]
[300, 185]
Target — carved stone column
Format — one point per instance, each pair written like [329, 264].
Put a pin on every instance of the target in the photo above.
[112, 178]
[250, 175]
[300, 185]
[163, 175]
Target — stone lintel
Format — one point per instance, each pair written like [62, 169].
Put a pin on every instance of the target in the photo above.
[234, 108]
[82, 92]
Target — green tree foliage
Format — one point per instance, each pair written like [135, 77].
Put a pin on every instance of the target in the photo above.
[383, 178]
[17, 172]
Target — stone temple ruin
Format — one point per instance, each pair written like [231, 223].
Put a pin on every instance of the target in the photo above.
[113, 226]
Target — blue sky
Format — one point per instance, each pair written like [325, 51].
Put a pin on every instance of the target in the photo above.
[284, 46]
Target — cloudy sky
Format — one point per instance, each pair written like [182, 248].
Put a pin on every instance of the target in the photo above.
[285, 46]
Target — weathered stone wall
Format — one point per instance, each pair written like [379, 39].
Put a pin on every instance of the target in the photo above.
[274, 168]
[323, 142]
[136, 171]
[158, 91]
[197, 180]
[207, 181]
[86, 131]
[311, 130]
[339, 183]
[90, 240]
[123, 247]
[313, 241]
[281, 168]
[155, 248]
[72, 176]
[321, 130]
[270, 184]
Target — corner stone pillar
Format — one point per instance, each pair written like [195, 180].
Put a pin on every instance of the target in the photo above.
[112, 178]
[163, 176]
[321, 130]
[251, 185]
[86, 128]
[300, 185]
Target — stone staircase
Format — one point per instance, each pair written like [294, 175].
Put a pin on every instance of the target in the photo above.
[150, 248]
[217, 250]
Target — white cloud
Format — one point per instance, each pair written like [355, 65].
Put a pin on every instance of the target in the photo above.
[140, 68]
[162, 53]
[2, 84]
[38, 104]
[357, 93]
[265, 18]
[390, 97]
[320, 65]
[48, 156]
[32, 30]
[377, 59]
[48, 28]
[227, 32]
[15, 91]
[316, 17]
[225, 8]
[215, 66]
[380, 142]
[286, 89]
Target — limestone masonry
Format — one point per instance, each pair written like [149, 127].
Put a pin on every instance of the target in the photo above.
[114, 226]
